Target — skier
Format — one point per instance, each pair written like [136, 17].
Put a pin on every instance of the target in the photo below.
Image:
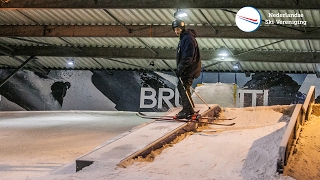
[188, 65]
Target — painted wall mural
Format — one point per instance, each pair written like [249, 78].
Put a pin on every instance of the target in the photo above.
[116, 90]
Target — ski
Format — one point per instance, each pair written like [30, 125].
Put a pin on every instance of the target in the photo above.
[221, 124]
[140, 114]
[194, 121]
[171, 118]
[218, 119]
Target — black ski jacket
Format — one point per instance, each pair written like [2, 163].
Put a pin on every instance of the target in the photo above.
[188, 55]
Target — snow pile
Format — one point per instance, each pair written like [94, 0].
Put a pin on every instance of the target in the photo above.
[248, 150]
[218, 93]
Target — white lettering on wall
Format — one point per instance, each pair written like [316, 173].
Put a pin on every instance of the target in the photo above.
[143, 97]
[166, 99]
[164, 95]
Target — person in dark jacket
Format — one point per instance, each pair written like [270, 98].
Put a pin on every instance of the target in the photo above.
[188, 65]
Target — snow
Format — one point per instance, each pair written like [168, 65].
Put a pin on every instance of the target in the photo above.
[216, 93]
[35, 143]
[45, 145]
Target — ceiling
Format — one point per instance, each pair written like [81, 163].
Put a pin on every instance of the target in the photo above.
[137, 34]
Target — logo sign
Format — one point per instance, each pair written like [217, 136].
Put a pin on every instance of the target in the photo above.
[248, 19]
[164, 95]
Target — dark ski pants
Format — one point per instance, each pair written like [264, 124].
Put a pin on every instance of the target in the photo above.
[185, 102]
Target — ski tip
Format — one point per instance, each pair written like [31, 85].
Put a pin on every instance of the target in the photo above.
[140, 113]
[226, 118]
[222, 124]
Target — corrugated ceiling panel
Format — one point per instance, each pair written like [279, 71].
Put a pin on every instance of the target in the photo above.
[33, 41]
[312, 17]
[165, 63]
[143, 16]
[75, 41]
[13, 17]
[274, 67]
[161, 42]
[315, 45]
[251, 66]
[215, 17]
[6, 61]
[151, 16]
[129, 64]
[82, 63]
[53, 62]
[285, 67]
[134, 16]
[204, 43]
[116, 63]
[309, 68]
[262, 67]
[257, 67]
[105, 42]
[103, 62]
[56, 17]
[292, 67]
[260, 44]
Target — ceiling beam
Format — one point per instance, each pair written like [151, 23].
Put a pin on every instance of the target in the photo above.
[145, 53]
[125, 4]
[153, 31]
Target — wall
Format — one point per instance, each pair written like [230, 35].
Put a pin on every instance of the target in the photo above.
[115, 91]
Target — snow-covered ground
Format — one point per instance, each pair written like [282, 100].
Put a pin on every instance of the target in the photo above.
[45, 145]
[37, 143]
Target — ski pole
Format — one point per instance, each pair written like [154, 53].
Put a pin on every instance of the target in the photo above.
[200, 97]
[185, 88]
[189, 98]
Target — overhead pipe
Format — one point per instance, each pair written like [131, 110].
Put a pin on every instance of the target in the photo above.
[16, 70]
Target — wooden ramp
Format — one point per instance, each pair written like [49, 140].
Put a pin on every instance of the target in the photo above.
[143, 140]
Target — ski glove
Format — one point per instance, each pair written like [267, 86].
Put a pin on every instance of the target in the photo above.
[180, 70]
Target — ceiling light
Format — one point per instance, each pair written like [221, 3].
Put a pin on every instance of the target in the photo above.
[179, 14]
[223, 54]
[71, 62]
[236, 66]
